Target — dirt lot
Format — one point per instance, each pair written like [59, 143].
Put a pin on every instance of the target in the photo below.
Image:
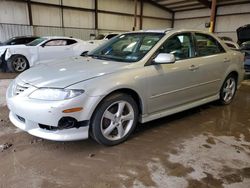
[208, 146]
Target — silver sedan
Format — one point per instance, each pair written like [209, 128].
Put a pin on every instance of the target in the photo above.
[137, 76]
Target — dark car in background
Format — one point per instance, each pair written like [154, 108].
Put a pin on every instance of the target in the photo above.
[243, 34]
[245, 47]
[19, 40]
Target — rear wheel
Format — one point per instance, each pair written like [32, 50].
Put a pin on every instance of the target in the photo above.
[17, 63]
[115, 119]
[228, 89]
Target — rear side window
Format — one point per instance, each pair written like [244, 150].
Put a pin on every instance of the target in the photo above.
[230, 45]
[70, 41]
[206, 45]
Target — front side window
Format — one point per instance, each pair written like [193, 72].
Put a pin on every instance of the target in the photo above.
[207, 45]
[180, 46]
[127, 47]
[58, 42]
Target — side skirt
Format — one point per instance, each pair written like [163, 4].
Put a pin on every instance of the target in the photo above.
[149, 117]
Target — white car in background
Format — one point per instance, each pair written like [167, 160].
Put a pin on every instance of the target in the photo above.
[21, 57]
[232, 45]
[101, 38]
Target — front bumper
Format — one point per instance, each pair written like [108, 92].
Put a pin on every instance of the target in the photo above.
[28, 114]
[59, 135]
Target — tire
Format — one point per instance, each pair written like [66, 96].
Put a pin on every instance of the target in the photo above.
[17, 63]
[111, 126]
[228, 90]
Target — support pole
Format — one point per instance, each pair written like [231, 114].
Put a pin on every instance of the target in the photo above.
[135, 16]
[172, 20]
[141, 14]
[96, 14]
[213, 16]
[30, 13]
[62, 13]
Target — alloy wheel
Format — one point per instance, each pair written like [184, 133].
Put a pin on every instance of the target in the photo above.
[19, 64]
[229, 89]
[117, 120]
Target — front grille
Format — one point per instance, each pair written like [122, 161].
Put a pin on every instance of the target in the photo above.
[19, 89]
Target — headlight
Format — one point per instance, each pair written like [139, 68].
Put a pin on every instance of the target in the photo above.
[7, 54]
[55, 94]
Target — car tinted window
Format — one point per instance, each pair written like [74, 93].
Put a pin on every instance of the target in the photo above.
[230, 45]
[70, 41]
[56, 42]
[109, 36]
[180, 45]
[207, 45]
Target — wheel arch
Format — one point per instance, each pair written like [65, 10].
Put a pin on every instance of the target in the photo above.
[127, 91]
[16, 55]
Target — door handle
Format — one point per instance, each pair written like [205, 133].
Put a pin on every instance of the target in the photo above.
[193, 68]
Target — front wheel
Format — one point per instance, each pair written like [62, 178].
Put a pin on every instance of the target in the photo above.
[228, 89]
[115, 119]
[17, 63]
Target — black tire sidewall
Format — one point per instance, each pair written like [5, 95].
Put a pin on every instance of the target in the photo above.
[97, 116]
[222, 101]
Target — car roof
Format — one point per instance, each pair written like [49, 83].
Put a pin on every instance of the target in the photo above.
[168, 30]
[58, 37]
[26, 36]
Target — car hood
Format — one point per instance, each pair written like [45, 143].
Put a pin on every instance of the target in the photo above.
[65, 72]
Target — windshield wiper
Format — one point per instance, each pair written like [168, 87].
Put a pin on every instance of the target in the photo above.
[100, 57]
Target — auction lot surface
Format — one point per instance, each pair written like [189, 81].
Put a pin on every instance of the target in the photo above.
[208, 146]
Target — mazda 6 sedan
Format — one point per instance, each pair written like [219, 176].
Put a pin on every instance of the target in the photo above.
[137, 76]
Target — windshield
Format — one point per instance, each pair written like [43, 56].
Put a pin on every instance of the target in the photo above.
[36, 42]
[127, 47]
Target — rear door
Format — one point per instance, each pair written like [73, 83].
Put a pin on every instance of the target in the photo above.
[212, 61]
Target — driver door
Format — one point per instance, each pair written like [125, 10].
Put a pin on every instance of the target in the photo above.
[171, 85]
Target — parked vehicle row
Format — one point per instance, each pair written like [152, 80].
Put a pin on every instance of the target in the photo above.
[136, 76]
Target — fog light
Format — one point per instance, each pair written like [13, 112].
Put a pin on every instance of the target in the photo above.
[72, 110]
[66, 123]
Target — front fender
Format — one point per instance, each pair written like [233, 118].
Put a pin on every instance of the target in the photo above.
[31, 57]
[134, 79]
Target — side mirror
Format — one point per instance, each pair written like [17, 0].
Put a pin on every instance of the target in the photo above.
[164, 58]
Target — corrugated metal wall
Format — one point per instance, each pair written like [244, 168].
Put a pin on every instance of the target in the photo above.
[52, 20]
[83, 34]
[9, 30]
[226, 22]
